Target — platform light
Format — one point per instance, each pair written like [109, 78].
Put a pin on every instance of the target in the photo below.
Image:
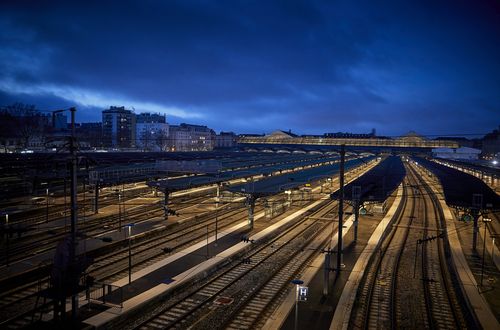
[130, 225]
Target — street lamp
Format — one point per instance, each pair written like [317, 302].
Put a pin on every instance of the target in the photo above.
[8, 234]
[130, 225]
[289, 198]
[485, 220]
[47, 206]
[493, 250]
[297, 283]
[119, 211]
[216, 214]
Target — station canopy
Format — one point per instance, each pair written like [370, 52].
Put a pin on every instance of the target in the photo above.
[187, 182]
[487, 170]
[376, 184]
[461, 190]
[279, 183]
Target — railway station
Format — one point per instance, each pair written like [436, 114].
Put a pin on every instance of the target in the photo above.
[249, 165]
[251, 240]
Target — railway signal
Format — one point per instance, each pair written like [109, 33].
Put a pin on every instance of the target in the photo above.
[246, 239]
[421, 242]
[246, 261]
[170, 211]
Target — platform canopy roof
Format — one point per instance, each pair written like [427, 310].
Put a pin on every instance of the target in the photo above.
[377, 184]
[112, 175]
[460, 187]
[487, 170]
[279, 183]
[188, 182]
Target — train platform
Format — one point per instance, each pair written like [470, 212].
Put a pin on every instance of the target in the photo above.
[89, 243]
[483, 299]
[318, 310]
[226, 247]
[178, 269]
[344, 307]
[170, 274]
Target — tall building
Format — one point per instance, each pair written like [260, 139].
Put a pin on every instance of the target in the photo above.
[226, 140]
[147, 117]
[118, 127]
[491, 143]
[187, 137]
[152, 132]
[59, 121]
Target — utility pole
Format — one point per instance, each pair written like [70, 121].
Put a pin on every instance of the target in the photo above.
[356, 195]
[341, 208]
[96, 197]
[208, 254]
[47, 206]
[217, 199]
[477, 203]
[326, 272]
[74, 212]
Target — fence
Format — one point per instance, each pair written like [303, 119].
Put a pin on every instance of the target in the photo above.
[105, 294]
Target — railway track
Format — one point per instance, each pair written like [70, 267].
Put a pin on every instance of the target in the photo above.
[113, 266]
[256, 279]
[143, 255]
[400, 290]
[146, 250]
[44, 241]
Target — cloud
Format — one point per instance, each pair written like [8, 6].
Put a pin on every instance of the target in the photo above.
[312, 66]
[89, 98]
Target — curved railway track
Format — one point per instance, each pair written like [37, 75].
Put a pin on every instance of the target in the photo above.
[400, 290]
[445, 310]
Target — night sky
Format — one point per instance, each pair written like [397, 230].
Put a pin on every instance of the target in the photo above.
[256, 66]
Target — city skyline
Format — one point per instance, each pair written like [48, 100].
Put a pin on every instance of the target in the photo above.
[258, 67]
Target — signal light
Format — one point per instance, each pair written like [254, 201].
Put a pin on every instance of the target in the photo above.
[246, 261]
[246, 239]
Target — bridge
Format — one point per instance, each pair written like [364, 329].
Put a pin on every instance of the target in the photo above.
[410, 141]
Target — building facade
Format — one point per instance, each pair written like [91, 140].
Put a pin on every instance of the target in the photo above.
[462, 153]
[152, 132]
[491, 143]
[90, 134]
[118, 128]
[187, 137]
[226, 140]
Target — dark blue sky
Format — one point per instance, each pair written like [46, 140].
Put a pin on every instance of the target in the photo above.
[256, 66]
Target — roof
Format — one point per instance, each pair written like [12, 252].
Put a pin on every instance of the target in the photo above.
[378, 183]
[281, 134]
[460, 187]
[289, 162]
[476, 165]
[461, 150]
[279, 183]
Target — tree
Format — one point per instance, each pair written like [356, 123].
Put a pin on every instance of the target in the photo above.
[162, 140]
[28, 123]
